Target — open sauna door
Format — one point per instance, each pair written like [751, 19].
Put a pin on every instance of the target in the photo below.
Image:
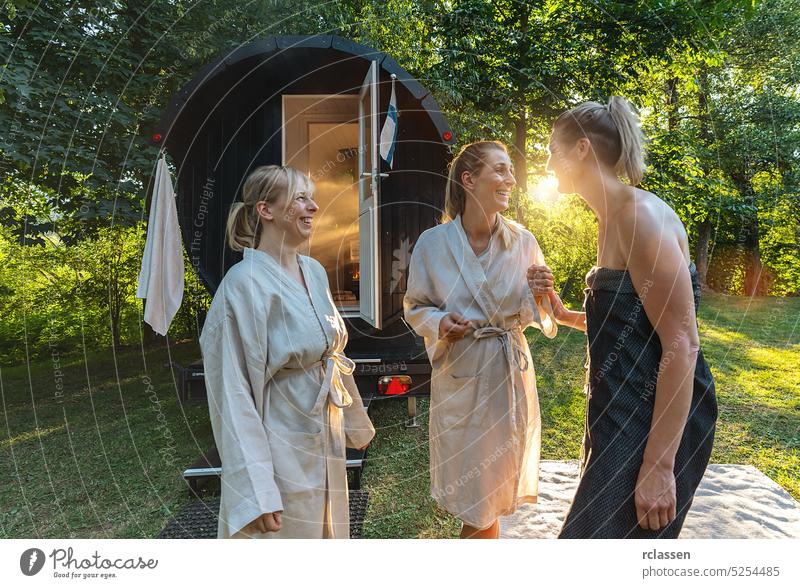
[369, 181]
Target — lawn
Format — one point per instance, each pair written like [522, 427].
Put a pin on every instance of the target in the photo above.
[94, 446]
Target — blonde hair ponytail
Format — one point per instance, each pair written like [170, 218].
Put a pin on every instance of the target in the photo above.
[471, 159]
[631, 158]
[239, 230]
[614, 132]
[267, 183]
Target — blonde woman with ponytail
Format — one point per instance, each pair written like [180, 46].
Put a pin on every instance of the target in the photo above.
[281, 395]
[468, 297]
[651, 409]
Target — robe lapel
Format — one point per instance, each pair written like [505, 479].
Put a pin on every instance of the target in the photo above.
[471, 270]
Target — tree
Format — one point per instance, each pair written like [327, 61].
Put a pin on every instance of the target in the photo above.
[522, 63]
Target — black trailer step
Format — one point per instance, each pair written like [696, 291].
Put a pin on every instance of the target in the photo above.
[199, 518]
[209, 466]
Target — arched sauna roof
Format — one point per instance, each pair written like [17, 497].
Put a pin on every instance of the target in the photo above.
[281, 52]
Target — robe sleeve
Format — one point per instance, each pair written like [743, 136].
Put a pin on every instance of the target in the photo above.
[358, 427]
[420, 309]
[538, 314]
[232, 377]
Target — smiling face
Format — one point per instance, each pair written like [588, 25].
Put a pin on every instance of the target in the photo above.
[490, 186]
[294, 217]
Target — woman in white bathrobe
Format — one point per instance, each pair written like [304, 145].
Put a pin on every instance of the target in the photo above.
[468, 296]
[281, 395]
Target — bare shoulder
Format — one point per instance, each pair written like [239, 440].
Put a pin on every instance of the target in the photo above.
[649, 222]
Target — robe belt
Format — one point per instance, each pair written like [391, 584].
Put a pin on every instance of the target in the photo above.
[514, 354]
[333, 391]
[516, 359]
[336, 397]
[333, 388]
[337, 365]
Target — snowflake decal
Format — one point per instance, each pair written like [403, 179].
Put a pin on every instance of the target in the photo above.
[401, 259]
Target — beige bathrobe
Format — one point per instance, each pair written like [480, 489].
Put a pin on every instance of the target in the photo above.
[485, 428]
[282, 399]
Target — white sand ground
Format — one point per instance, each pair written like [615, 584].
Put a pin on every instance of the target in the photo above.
[732, 502]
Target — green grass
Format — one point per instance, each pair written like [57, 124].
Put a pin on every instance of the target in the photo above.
[104, 459]
[95, 462]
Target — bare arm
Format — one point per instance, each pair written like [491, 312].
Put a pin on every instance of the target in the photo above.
[540, 281]
[571, 318]
[661, 277]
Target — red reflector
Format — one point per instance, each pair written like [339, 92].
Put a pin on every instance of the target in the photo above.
[156, 138]
[447, 135]
[396, 387]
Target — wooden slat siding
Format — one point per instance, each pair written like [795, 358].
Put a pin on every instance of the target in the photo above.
[438, 183]
[421, 194]
[403, 184]
[387, 217]
[210, 142]
[414, 197]
[387, 220]
[276, 136]
[401, 210]
[405, 210]
[227, 186]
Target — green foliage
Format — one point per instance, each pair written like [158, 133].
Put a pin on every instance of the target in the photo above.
[567, 233]
[64, 299]
[83, 85]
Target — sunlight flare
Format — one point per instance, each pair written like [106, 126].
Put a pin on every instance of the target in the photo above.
[545, 191]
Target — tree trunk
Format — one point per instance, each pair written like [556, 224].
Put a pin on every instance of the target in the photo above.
[704, 227]
[149, 336]
[754, 270]
[519, 160]
[701, 252]
[672, 104]
[754, 283]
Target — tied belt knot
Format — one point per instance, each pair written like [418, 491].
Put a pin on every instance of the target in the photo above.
[336, 365]
[333, 395]
[515, 355]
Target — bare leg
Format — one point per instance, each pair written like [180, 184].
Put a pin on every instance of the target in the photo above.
[492, 532]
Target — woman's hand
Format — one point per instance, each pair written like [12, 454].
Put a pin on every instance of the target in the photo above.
[655, 496]
[268, 523]
[453, 327]
[540, 280]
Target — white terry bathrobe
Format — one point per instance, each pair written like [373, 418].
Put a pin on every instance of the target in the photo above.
[485, 428]
[282, 399]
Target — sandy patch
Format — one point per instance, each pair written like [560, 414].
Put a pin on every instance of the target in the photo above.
[732, 502]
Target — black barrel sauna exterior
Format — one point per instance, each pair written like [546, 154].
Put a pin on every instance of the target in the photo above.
[232, 118]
